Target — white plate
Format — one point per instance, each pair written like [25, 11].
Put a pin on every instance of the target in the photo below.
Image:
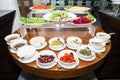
[35, 24]
[71, 16]
[57, 49]
[48, 66]
[41, 46]
[41, 10]
[91, 59]
[84, 24]
[13, 51]
[97, 51]
[29, 60]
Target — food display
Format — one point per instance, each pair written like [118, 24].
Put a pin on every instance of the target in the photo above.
[39, 7]
[76, 9]
[59, 15]
[85, 52]
[89, 19]
[46, 58]
[32, 20]
[68, 58]
[11, 37]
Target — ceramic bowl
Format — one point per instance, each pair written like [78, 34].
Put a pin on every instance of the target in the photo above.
[103, 36]
[46, 57]
[67, 54]
[96, 44]
[11, 37]
[85, 53]
[38, 41]
[74, 41]
[18, 43]
[26, 52]
[56, 42]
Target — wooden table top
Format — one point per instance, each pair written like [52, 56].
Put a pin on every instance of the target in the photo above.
[56, 72]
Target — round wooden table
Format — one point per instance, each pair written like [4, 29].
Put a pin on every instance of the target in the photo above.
[56, 72]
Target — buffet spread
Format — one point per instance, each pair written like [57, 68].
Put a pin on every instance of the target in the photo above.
[28, 51]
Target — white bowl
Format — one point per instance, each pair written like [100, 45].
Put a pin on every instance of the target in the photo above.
[18, 43]
[43, 55]
[11, 37]
[26, 52]
[103, 36]
[38, 41]
[56, 42]
[62, 54]
[85, 56]
[74, 41]
[96, 44]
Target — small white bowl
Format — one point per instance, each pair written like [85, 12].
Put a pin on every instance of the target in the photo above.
[103, 36]
[62, 53]
[18, 43]
[38, 41]
[74, 41]
[11, 37]
[56, 42]
[43, 54]
[26, 52]
[85, 56]
[96, 44]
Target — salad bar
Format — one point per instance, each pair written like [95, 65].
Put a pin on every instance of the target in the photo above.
[59, 43]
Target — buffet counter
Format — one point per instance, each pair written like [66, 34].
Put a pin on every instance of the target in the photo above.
[83, 66]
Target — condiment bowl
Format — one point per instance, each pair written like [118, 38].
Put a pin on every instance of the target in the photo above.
[67, 57]
[56, 42]
[96, 44]
[37, 41]
[46, 57]
[74, 41]
[26, 52]
[85, 52]
[11, 37]
[18, 43]
[103, 36]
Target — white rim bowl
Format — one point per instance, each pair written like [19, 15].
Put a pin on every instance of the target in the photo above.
[38, 41]
[61, 54]
[85, 56]
[43, 53]
[74, 41]
[26, 52]
[56, 42]
[103, 36]
[93, 42]
[18, 43]
[11, 37]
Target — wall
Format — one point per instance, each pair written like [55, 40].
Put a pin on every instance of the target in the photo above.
[11, 5]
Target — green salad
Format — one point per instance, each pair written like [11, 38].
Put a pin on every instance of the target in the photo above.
[32, 20]
[57, 15]
[68, 6]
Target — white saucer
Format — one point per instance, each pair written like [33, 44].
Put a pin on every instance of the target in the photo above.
[41, 46]
[69, 67]
[91, 59]
[97, 51]
[57, 49]
[48, 66]
[75, 48]
[30, 60]
[13, 51]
